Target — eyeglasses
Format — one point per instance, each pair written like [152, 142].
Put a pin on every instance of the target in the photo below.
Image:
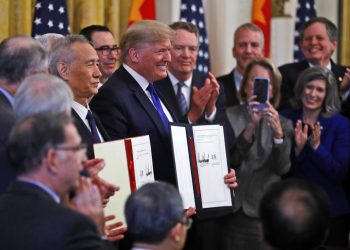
[106, 50]
[81, 146]
[187, 222]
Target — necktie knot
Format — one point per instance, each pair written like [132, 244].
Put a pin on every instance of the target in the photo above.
[157, 104]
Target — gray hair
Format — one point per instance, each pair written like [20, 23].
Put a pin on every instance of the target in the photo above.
[42, 92]
[21, 56]
[332, 30]
[62, 52]
[144, 32]
[152, 211]
[331, 104]
[48, 40]
[32, 137]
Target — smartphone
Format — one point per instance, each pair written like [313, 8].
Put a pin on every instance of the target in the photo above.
[261, 91]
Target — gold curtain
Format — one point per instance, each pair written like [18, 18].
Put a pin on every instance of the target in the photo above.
[344, 56]
[16, 16]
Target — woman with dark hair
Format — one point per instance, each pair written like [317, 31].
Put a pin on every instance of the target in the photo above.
[321, 151]
[261, 150]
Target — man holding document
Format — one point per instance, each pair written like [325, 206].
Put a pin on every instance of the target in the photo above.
[129, 105]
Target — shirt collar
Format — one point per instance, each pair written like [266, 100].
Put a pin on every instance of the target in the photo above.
[8, 96]
[80, 109]
[48, 190]
[139, 78]
[175, 81]
[328, 66]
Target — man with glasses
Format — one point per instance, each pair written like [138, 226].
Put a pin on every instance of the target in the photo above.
[106, 47]
[156, 219]
[47, 153]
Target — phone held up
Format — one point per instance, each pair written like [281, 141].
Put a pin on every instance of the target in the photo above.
[261, 91]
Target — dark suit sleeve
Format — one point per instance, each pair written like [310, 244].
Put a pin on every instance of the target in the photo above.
[82, 234]
[110, 111]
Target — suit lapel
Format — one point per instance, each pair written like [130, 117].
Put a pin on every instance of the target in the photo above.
[144, 102]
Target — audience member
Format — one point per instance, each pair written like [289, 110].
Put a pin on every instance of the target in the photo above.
[75, 61]
[318, 41]
[47, 93]
[195, 97]
[203, 102]
[321, 152]
[261, 151]
[20, 56]
[42, 93]
[106, 47]
[295, 215]
[248, 43]
[49, 40]
[47, 153]
[155, 217]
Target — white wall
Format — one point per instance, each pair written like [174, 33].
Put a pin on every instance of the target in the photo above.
[224, 16]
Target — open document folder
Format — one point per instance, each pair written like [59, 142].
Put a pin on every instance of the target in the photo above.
[201, 164]
[128, 165]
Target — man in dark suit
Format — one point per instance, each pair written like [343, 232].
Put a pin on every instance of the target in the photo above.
[47, 153]
[204, 103]
[248, 43]
[75, 60]
[203, 100]
[19, 57]
[125, 103]
[318, 41]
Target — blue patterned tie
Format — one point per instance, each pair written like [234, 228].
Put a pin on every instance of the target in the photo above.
[180, 97]
[93, 127]
[158, 105]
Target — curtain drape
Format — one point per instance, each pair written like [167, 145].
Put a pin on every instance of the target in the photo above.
[16, 16]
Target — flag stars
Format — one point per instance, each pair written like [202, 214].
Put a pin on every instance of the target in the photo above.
[61, 26]
[37, 21]
[201, 10]
[193, 8]
[183, 6]
[50, 23]
[50, 7]
[61, 10]
[38, 5]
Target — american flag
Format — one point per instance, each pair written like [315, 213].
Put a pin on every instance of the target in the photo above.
[192, 11]
[305, 11]
[50, 17]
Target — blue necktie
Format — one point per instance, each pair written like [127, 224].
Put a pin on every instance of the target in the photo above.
[158, 105]
[180, 97]
[93, 127]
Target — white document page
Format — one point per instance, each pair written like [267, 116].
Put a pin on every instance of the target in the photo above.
[142, 156]
[116, 172]
[212, 165]
[182, 165]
